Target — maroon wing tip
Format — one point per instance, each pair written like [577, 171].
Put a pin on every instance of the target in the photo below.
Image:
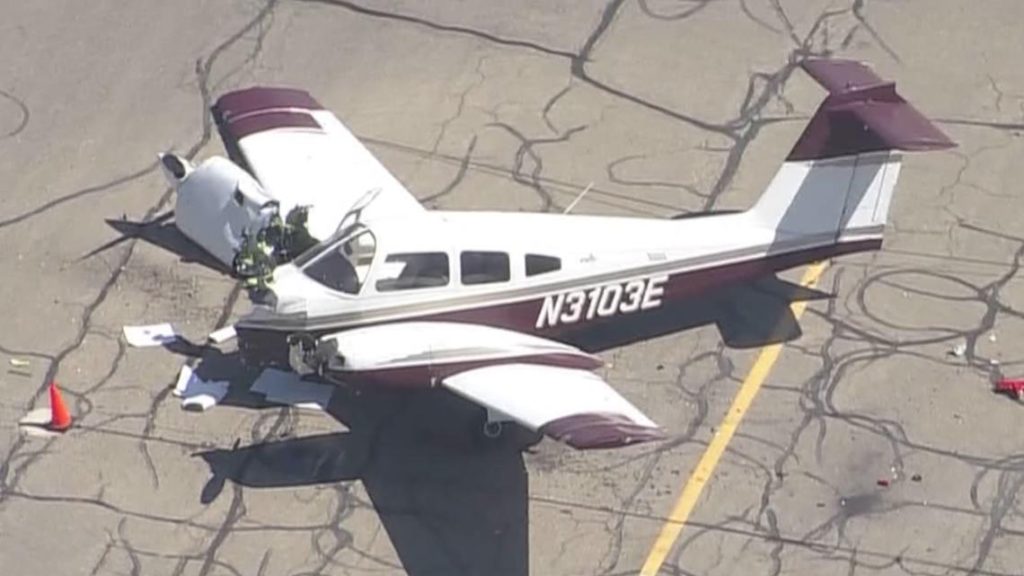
[258, 99]
[594, 431]
[248, 111]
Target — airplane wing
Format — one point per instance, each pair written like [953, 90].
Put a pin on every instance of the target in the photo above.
[568, 404]
[302, 155]
[545, 385]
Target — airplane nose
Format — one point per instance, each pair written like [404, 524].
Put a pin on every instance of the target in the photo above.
[289, 304]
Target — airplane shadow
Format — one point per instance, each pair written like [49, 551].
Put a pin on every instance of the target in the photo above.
[162, 234]
[450, 501]
[750, 314]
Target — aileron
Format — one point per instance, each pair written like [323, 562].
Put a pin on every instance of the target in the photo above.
[568, 404]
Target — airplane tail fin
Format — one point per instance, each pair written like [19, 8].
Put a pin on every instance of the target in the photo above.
[837, 182]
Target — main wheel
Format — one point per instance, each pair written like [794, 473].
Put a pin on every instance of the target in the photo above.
[493, 430]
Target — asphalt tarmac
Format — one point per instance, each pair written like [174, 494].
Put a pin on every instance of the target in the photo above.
[869, 448]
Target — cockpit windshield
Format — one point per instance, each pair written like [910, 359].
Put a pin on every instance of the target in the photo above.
[321, 247]
[342, 262]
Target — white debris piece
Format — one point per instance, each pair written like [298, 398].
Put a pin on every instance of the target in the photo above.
[184, 377]
[196, 393]
[959, 350]
[223, 335]
[204, 395]
[154, 335]
[287, 388]
[34, 423]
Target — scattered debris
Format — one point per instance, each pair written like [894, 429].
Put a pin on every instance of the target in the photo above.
[223, 335]
[1014, 387]
[48, 422]
[882, 482]
[19, 363]
[35, 423]
[992, 337]
[916, 477]
[959, 350]
[196, 393]
[288, 388]
[154, 335]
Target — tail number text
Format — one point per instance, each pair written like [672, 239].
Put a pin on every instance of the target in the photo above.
[601, 301]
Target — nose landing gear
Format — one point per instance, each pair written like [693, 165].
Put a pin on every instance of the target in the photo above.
[309, 355]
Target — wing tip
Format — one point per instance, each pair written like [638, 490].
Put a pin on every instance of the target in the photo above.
[595, 431]
[257, 99]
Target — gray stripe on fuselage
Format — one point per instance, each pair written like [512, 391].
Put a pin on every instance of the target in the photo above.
[500, 298]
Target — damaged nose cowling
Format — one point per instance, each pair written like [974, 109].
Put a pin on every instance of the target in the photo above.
[216, 203]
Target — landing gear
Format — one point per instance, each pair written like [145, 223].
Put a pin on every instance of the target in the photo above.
[493, 430]
[308, 355]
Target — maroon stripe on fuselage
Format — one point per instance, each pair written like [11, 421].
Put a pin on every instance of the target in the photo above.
[250, 100]
[268, 346]
[257, 123]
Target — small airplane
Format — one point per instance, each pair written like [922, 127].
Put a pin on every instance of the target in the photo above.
[392, 294]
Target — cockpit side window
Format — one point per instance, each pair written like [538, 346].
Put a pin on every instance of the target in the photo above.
[413, 270]
[484, 267]
[537, 264]
[343, 266]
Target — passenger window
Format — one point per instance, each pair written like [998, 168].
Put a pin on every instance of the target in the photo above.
[484, 267]
[536, 264]
[417, 270]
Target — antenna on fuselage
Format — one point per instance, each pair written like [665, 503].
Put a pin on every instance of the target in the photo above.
[578, 198]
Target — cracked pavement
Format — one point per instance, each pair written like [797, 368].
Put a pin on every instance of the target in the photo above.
[665, 107]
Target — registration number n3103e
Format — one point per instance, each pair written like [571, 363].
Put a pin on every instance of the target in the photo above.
[601, 301]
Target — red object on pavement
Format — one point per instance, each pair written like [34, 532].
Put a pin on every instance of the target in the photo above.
[1015, 387]
[61, 418]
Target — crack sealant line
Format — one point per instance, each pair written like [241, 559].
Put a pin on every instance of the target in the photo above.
[709, 460]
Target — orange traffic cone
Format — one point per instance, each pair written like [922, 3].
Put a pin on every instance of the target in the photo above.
[60, 418]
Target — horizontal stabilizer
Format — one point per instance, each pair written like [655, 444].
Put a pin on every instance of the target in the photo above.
[863, 113]
[839, 76]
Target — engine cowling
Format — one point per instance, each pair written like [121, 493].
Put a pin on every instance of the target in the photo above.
[216, 202]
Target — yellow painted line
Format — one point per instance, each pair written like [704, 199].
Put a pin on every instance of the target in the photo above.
[744, 398]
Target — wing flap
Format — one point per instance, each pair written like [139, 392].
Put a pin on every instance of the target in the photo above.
[570, 405]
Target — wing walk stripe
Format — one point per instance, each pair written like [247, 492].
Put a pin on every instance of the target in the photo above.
[260, 99]
[256, 123]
